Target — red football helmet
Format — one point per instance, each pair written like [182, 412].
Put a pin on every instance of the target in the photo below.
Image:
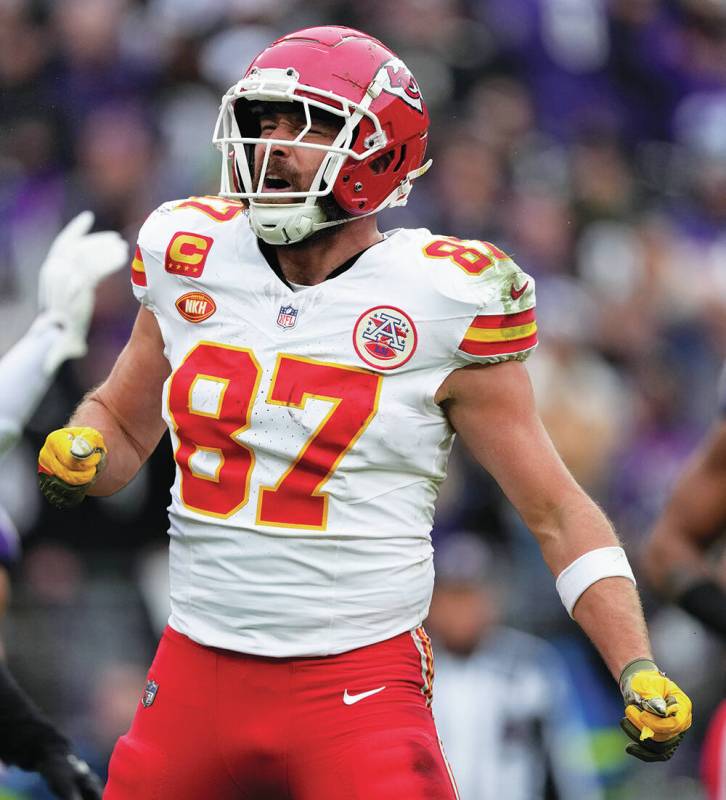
[373, 160]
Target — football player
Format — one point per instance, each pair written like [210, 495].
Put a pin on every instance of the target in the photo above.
[312, 371]
[683, 562]
[76, 263]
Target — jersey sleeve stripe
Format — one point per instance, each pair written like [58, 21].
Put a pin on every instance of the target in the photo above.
[502, 320]
[475, 348]
[138, 272]
[500, 334]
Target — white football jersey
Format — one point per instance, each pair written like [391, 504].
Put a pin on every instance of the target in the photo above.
[308, 445]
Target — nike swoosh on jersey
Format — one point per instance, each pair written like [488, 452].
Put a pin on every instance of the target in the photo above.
[517, 293]
[349, 699]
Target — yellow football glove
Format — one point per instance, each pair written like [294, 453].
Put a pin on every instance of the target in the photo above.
[69, 463]
[657, 711]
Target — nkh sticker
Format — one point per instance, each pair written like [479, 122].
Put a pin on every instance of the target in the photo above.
[397, 79]
[195, 306]
[187, 254]
[384, 337]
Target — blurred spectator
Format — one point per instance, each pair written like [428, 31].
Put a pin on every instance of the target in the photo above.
[468, 181]
[504, 705]
[93, 68]
[538, 231]
[583, 401]
[655, 448]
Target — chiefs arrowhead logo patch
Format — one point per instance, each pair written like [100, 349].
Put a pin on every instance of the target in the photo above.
[396, 79]
[195, 306]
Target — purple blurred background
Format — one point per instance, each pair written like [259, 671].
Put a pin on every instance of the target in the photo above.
[585, 137]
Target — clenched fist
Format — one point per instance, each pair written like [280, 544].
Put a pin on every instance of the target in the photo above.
[69, 463]
[657, 711]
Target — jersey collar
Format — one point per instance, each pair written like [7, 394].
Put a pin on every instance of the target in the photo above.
[270, 255]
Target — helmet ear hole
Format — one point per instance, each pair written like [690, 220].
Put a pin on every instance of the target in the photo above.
[381, 164]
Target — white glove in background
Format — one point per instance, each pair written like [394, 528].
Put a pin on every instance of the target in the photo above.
[76, 263]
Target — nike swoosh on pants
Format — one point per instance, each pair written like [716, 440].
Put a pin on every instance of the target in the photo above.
[349, 699]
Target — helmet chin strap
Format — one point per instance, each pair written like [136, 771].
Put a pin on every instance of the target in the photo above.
[288, 223]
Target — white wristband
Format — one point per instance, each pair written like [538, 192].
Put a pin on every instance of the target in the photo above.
[589, 568]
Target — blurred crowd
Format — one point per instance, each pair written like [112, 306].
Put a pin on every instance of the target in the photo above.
[587, 138]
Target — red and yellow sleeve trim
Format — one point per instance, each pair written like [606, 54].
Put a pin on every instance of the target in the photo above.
[500, 334]
[138, 272]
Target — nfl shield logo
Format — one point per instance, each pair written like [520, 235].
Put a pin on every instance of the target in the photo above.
[149, 693]
[287, 317]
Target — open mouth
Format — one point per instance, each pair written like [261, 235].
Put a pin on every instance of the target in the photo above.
[273, 184]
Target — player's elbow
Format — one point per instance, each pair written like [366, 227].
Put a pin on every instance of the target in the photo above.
[568, 526]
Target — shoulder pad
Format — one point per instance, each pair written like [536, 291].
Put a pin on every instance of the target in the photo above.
[178, 235]
[503, 325]
[196, 212]
[464, 265]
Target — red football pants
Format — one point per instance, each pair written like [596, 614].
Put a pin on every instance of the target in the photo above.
[229, 726]
[713, 757]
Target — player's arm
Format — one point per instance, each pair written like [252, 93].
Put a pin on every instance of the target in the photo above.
[25, 381]
[115, 428]
[126, 407]
[694, 516]
[492, 408]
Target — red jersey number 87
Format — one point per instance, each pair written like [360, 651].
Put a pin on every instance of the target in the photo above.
[211, 396]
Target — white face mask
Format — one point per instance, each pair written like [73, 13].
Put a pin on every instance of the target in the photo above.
[289, 222]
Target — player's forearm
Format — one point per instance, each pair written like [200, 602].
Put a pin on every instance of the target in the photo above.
[609, 610]
[125, 455]
[124, 413]
[568, 527]
[25, 379]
